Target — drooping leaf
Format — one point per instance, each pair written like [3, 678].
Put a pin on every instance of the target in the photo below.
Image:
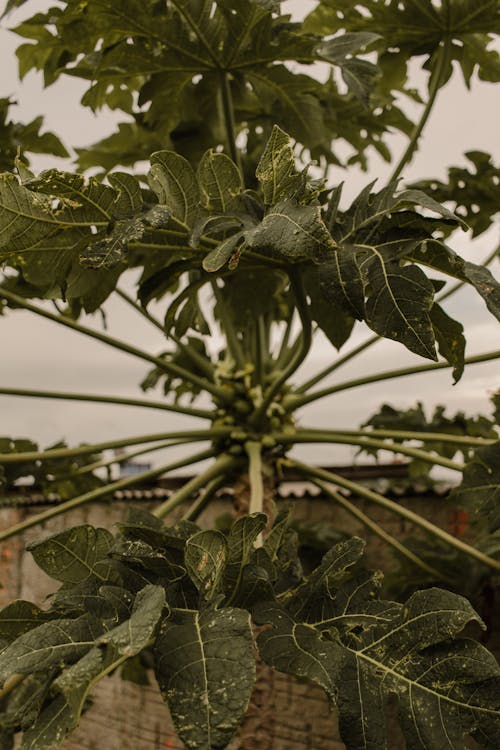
[72, 686]
[398, 304]
[205, 669]
[450, 339]
[293, 232]
[74, 555]
[341, 281]
[295, 648]
[327, 313]
[48, 645]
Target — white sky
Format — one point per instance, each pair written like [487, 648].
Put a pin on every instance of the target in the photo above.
[37, 354]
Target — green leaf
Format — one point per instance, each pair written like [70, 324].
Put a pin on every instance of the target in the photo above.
[48, 645]
[309, 599]
[483, 282]
[220, 182]
[479, 491]
[174, 182]
[72, 686]
[276, 171]
[241, 539]
[450, 339]
[74, 555]
[398, 304]
[16, 136]
[295, 648]
[358, 74]
[415, 658]
[19, 617]
[474, 191]
[327, 313]
[205, 557]
[341, 281]
[293, 232]
[226, 252]
[205, 669]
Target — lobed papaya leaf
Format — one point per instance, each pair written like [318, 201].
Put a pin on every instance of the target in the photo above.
[205, 669]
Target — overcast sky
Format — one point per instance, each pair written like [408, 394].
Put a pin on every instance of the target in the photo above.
[37, 354]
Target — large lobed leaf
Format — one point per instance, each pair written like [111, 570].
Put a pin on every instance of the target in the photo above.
[363, 650]
[205, 670]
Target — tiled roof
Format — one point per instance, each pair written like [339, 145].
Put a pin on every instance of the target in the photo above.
[386, 478]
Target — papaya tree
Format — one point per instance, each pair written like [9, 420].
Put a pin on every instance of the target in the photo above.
[237, 233]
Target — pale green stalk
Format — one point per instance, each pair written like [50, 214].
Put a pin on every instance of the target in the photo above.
[201, 502]
[203, 364]
[229, 123]
[327, 436]
[228, 329]
[99, 492]
[295, 401]
[169, 367]
[436, 83]
[424, 437]
[338, 363]
[124, 457]
[397, 509]
[99, 399]
[223, 465]
[82, 450]
[301, 353]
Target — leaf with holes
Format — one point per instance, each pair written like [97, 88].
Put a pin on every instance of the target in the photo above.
[205, 669]
[74, 555]
[398, 304]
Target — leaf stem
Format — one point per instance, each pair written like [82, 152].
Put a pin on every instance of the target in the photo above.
[338, 363]
[286, 338]
[300, 354]
[435, 84]
[81, 450]
[431, 437]
[123, 457]
[376, 529]
[169, 367]
[99, 492]
[296, 401]
[200, 503]
[99, 399]
[233, 343]
[222, 466]
[254, 452]
[399, 510]
[201, 362]
[327, 436]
